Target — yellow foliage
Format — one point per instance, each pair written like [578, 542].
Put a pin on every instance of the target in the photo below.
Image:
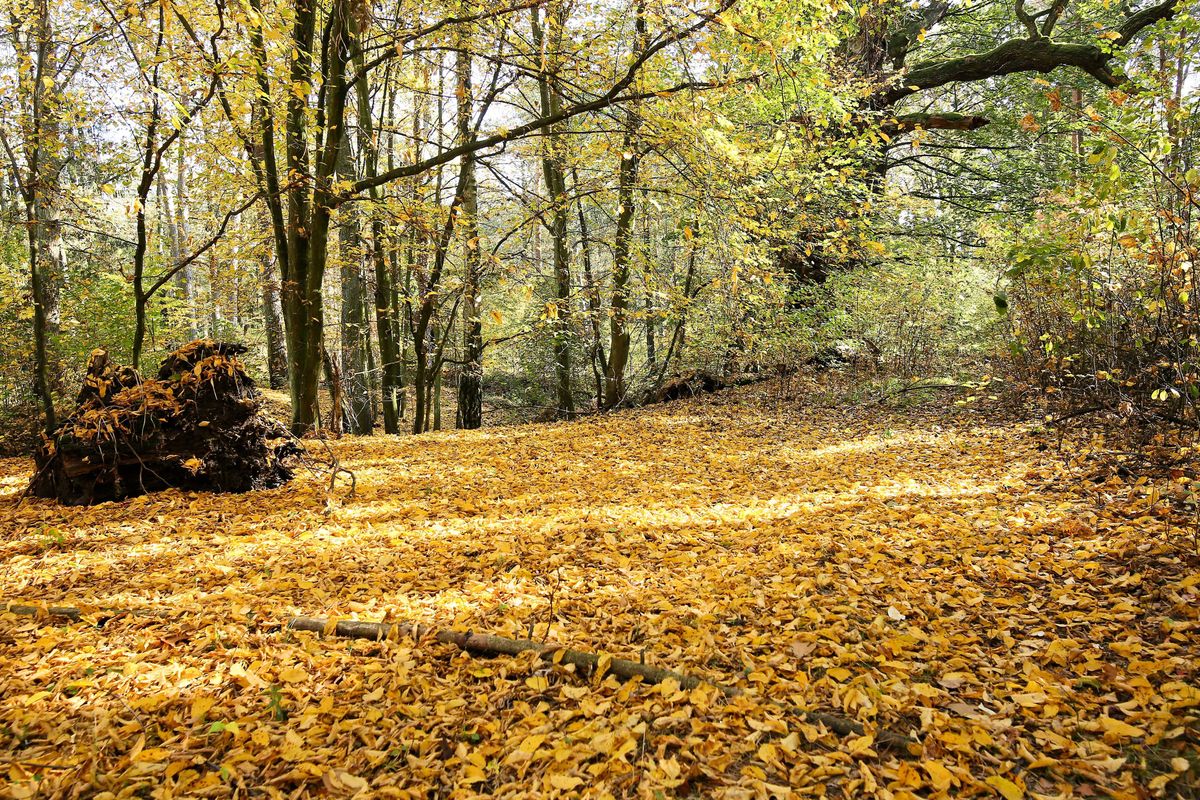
[944, 579]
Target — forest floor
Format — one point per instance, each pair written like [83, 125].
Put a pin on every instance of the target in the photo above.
[944, 576]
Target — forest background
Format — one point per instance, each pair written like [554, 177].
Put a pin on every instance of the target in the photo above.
[464, 213]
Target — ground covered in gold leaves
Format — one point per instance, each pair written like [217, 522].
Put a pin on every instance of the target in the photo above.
[952, 579]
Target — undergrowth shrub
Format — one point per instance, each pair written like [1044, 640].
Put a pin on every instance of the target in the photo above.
[907, 317]
[1103, 291]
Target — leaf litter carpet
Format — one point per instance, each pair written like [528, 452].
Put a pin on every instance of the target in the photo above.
[950, 579]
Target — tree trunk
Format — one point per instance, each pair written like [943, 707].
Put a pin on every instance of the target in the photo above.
[272, 322]
[470, 379]
[596, 357]
[618, 344]
[40, 354]
[556, 190]
[184, 278]
[150, 167]
[353, 314]
[310, 206]
[391, 381]
[651, 355]
[588, 664]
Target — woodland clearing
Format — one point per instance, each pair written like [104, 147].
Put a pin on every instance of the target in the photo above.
[943, 576]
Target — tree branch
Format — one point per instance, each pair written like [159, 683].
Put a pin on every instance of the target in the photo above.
[611, 97]
[1038, 54]
[947, 121]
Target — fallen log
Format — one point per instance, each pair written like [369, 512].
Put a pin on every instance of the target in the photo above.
[72, 614]
[65, 612]
[490, 644]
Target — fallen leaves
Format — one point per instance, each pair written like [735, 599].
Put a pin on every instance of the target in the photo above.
[1004, 787]
[938, 579]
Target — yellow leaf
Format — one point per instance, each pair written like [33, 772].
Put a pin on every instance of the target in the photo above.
[602, 664]
[565, 782]
[839, 674]
[1007, 789]
[939, 777]
[538, 683]
[1118, 728]
[293, 675]
[200, 706]
[152, 755]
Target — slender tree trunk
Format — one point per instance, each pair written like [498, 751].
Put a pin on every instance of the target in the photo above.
[651, 355]
[185, 277]
[618, 330]
[402, 308]
[552, 173]
[54, 255]
[596, 357]
[470, 380]
[150, 165]
[272, 321]
[337, 400]
[40, 355]
[168, 231]
[675, 347]
[437, 398]
[42, 148]
[420, 371]
[391, 380]
[353, 318]
[618, 345]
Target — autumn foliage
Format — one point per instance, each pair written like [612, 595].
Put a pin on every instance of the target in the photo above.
[948, 578]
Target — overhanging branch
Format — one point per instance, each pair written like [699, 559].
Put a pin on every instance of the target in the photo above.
[1036, 54]
[947, 121]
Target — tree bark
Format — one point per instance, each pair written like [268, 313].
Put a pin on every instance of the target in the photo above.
[272, 321]
[391, 382]
[354, 345]
[470, 379]
[552, 174]
[627, 178]
[596, 356]
[587, 663]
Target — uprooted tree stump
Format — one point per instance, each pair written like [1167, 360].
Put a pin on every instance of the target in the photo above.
[197, 425]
